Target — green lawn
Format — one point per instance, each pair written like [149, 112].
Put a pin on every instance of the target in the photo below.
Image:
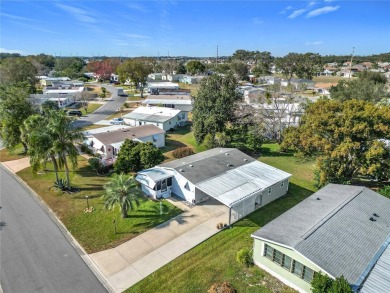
[91, 108]
[180, 137]
[10, 155]
[214, 260]
[95, 231]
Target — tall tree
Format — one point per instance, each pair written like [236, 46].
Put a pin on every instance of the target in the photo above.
[14, 109]
[64, 136]
[195, 67]
[303, 65]
[137, 70]
[17, 70]
[346, 137]
[288, 64]
[214, 105]
[240, 69]
[370, 86]
[104, 68]
[122, 190]
[71, 67]
[40, 142]
[135, 156]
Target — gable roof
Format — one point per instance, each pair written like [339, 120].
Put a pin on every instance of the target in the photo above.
[335, 231]
[152, 114]
[128, 133]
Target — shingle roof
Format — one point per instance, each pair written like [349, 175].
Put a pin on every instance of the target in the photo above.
[130, 133]
[208, 164]
[335, 232]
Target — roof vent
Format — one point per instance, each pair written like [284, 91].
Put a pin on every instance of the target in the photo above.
[181, 170]
[245, 160]
[375, 215]
[226, 154]
[191, 165]
[318, 198]
[229, 165]
[372, 219]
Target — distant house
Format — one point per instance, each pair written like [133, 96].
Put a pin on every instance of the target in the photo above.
[156, 86]
[164, 118]
[47, 81]
[227, 176]
[340, 230]
[157, 76]
[270, 79]
[180, 102]
[108, 143]
[175, 77]
[324, 88]
[297, 83]
[78, 90]
[189, 79]
[62, 100]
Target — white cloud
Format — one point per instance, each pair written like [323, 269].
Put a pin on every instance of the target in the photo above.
[296, 13]
[15, 16]
[315, 43]
[257, 20]
[4, 50]
[137, 7]
[78, 13]
[136, 36]
[322, 10]
[285, 10]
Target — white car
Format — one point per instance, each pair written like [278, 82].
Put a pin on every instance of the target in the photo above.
[116, 121]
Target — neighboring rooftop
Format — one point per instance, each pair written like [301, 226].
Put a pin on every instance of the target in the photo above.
[340, 228]
[168, 99]
[110, 128]
[152, 114]
[129, 133]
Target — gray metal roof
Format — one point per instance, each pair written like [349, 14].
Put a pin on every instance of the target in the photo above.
[147, 117]
[168, 99]
[379, 278]
[149, 177]
[234, 185]
[208, 164]
[335, 232]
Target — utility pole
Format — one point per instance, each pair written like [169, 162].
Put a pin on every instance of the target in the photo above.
[216, 60]
[350, 64]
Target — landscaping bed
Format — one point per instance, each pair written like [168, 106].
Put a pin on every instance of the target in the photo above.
[10, 155]
[95, 230]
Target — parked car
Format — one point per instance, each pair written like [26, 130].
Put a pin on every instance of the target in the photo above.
[116, 121]
[75, 113]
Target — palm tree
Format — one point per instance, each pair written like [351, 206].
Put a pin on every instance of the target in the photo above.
[39, 141]
[64, 136]
[122, 190]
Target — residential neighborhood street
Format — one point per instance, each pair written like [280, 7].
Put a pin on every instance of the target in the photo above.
[35, 256]
[106, 110]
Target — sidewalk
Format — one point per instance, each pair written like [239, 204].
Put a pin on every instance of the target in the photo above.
[132, 261]
[17, 165]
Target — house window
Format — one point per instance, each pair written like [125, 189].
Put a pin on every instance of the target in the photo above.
[158, 185]
[187, 186]
[282, 184]
[288, 263]
[268, 252]
[170, 181]
[269, 190]
[297, 268]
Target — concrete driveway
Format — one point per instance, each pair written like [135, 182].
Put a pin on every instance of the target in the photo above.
[132, 261]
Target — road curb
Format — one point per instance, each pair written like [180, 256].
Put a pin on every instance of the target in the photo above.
[79, 249]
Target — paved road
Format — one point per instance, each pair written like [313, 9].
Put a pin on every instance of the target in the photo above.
[35, 255]
[106, 110]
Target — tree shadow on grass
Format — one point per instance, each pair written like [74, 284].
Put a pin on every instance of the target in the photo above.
[265, 151]
[274, 209]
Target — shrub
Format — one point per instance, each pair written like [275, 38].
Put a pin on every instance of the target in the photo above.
[244, 257]
[95, 163]
[85, 149]
[385, 191]
[182, 152]
[224, 287]
[321, 283]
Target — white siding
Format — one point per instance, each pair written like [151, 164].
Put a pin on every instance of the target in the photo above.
[179, 184]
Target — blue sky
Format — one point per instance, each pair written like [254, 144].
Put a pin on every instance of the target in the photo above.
[193, 28]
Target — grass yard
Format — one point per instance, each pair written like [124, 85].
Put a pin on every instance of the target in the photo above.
[181, 137]
[10, 155]
[215, 259]
[118, 114]
[95, 231]
[193, 87]
[91, 108]
[327, 79]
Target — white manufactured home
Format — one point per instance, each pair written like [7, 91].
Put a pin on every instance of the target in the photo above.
[226, 175]
[164, 118]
